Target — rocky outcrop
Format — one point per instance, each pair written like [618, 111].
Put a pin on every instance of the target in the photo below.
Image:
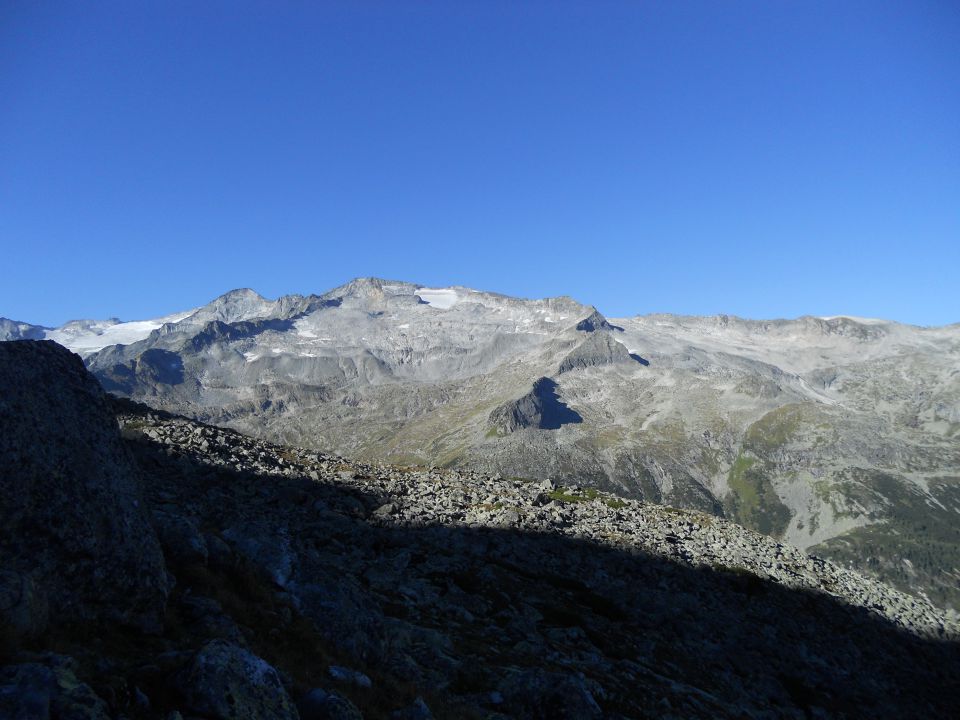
[595, 322]
[540, 408]
[598, 349]
[75, 538]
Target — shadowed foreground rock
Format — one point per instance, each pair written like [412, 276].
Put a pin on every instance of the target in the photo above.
[315, 587]
[76, 542]
[223, 680]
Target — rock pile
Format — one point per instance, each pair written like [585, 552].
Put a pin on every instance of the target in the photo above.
[423, 497]
[509, 598]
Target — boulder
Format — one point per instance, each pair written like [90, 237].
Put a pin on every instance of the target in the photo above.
[47, 691]
[226, 682]
[418, 710]
[349, 676]
[180, 538]
[320, 704]
[539, 693]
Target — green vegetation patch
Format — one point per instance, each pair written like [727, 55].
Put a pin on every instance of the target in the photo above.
[914, 542]
[853, 492]
[576, 496]
[775, 429]
[755, 503]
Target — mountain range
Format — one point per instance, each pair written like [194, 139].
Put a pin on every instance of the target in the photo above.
[839, 435]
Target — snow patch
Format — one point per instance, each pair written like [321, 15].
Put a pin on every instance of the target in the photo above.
[854, 318]
[98, 335]
[442, 298]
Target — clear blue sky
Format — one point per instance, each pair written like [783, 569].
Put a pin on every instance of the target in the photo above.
[766, 159]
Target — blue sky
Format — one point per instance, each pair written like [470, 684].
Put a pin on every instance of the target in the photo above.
[766, 159]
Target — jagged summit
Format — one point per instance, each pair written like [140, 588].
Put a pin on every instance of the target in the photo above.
[594, 322]
[234, 306]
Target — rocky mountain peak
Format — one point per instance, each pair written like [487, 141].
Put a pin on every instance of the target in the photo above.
[599, 348]
[234, 306]
[373, 287]
[594, 322]
[238, 295]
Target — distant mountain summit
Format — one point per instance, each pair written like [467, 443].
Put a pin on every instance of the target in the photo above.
[840, 435]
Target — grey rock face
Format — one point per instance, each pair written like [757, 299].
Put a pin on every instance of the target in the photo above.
[599, 348]
[540, 408]
[76, 542]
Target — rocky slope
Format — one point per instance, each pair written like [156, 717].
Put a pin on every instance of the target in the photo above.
[314, 587]
[839, 435]
[76, 541]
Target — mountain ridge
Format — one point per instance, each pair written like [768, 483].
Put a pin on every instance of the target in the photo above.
[838, 435]
[361, 284]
